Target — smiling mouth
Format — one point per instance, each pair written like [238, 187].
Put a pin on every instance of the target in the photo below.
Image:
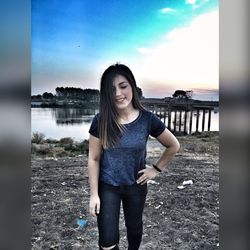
[120, 100]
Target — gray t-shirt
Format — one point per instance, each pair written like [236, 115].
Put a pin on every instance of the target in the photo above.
[119, 165]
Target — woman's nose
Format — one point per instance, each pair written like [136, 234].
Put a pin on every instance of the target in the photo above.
[117, 92]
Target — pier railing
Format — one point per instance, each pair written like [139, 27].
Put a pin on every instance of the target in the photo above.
[183, 118]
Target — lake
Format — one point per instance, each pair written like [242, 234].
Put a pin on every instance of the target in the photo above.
[56, 123]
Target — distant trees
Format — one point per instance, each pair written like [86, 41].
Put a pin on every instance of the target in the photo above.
[91, 95]
[36, 97]
[77, 93]
[73, 94]
[69, 92]
[47, 95]
[182, 94]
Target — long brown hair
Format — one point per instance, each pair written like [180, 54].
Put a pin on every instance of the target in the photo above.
[110, 129]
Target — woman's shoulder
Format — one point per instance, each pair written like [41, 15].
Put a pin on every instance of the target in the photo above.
[147, 113]
[96, 118]
[150, 116]
[146, 116]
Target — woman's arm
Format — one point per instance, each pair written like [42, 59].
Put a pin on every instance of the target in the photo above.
[167, 139]
[172, 145]
[95, 150]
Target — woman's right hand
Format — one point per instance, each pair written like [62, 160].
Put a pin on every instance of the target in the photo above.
[94, 205]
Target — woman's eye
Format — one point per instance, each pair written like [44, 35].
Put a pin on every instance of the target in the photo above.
[123, 87]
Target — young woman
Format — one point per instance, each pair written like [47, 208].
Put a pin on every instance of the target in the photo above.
[117, 157]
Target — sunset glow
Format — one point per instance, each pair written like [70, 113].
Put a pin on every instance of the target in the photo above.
[168, 45]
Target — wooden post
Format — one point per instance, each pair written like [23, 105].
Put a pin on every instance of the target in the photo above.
[209, 120]
[197, 120]
[169, 118]
[175, 120]
[190, 121]
[180, 121]
[155, 111]
[185, 122]
[164, 115]
[203, 120]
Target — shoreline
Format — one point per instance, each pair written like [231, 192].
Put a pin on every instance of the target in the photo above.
[67, 147]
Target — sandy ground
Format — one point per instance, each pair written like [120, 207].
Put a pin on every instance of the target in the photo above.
[173, 218]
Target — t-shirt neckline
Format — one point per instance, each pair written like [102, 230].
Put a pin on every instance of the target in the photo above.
[135, 120]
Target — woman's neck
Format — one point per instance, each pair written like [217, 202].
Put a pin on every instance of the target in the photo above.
[127, 115]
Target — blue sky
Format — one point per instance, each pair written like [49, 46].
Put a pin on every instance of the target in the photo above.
[167, 44]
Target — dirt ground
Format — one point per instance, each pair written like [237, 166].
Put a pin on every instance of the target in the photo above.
[183, 219]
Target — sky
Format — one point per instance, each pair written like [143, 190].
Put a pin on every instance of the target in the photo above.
[168, 45]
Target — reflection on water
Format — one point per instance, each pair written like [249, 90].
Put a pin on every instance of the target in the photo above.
[71, 116]
[57, 123]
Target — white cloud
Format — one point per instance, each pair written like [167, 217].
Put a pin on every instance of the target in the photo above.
[166, 10]
[188, 57]
[144, 51]
[190, 1]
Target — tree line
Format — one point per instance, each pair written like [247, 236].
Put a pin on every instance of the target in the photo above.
[74, 93]
[69, 93]
[87, 94]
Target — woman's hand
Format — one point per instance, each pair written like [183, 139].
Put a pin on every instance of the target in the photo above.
[146, 174]
[94, 205]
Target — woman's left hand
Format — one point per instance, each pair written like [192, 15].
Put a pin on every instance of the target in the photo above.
[146, 174]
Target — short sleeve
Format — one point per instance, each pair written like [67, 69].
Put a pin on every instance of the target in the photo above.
[94, 127]
[156, 126]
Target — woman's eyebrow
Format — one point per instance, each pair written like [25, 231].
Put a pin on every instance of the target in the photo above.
[122, 82]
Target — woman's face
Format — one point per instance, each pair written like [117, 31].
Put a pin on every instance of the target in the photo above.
[123, 93]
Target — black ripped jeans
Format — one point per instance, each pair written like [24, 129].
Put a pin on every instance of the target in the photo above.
[133, 200]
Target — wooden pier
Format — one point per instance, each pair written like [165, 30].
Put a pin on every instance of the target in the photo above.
[183, 118]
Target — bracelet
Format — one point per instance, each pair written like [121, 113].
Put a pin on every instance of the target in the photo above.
[155, 167]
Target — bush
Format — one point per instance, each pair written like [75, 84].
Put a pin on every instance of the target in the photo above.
[53, 141]
[41, 150]
[66, 140]
[70, 147]
[84, 146]
[37, 138]
[33, 149]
